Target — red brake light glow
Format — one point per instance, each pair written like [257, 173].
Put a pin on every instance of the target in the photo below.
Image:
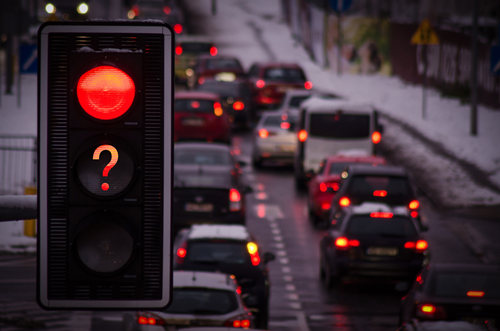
[285, 125]
[213, 51]
[380, 193]
[218, 109]
[381, 214]
[308, 85]
[178, 28]
[105, 92]
[325, 205]
[234, 195]
[428, 309]
[181, 252]
[253, 250]
[260, 83]
[302, 135]
[142, 320]
[421, 245]
[178, 50]
[167, 10]
[475, 294]
[343, 242]
[238, 105]
[344, 202]
[263, 133]
[414, 204]
[376, 137]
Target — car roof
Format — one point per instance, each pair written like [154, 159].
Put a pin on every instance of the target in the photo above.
[217, 280]
[198, 145]
[320, 104]
[218, 57]
[192, 38]
[196, 95]
[218, 231]
[368, 169]
[278, 64]
[355, 156]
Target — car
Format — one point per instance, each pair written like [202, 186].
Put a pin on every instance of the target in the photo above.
[293, 98]
[229, 249]
[270, 81]
[325, 183]
[168, 11]
[274, 139]
[372, 240]
[220, 67]
[236, 99]
[187, 49]
[453, 291]
[328, 126]
[200, 116]
[382, 183]
[199, 298]
[208, 185]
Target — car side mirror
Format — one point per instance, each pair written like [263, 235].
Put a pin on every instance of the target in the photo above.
[268, 257]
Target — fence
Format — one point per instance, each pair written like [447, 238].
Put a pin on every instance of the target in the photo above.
[18, 163]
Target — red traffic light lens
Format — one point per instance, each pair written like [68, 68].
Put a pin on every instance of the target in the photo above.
[105, 92]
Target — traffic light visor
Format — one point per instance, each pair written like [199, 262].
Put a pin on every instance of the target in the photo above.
[105, 92]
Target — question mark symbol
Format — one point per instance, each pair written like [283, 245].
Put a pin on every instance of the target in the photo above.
[110, 165]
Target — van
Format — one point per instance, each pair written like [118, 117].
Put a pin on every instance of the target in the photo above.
[332, 126]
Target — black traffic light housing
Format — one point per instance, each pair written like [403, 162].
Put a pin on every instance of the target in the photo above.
[105, 165]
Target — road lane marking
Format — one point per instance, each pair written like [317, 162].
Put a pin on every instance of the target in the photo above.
[284, 260]
[286, 270]
[290, 287]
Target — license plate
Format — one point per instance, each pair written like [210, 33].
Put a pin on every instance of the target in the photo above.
[382, 251]
[199, 207]
[194, 121]
[285, 148]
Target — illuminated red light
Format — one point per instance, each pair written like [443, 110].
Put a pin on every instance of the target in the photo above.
[380, 193]
[255, 259]
[195, 104]
[414, 213]
[343, 242]
[218, 109]
[323, 187]
[237, 324]
[325, 205]
[285, 125]
[245, 324]
[234, 195]
[238, 290]
[344, 202]
[308, 85]
[380, 214]
[178, 50]
[213, 51]
[414, 204]
[263, 133]
[201, 80]
[421, 245]
[302, 135]
[142, 320]
[105, 92]
[376, 137]
[151, 321]
[475, 294]
[260, 83]
[167, 10]
[238, 106]
[428, 309]
[181, 252]
[178, 28]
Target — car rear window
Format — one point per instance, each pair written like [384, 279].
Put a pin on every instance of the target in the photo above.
[202, 301]
[195, 47]
[284, 74]
[395, 187]
[337, 167]
[340, 126]
[224, 89]
[272, 121]
[215, 64]
[217, 251]
[297, 100]
[194, 105]
[381, 227]
[457, 284]
[201, 157]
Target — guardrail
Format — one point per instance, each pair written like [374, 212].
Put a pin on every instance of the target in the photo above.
[18, 163]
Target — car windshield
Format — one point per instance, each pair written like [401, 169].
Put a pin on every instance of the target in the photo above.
[458, 283]
[395, 188]
[201, 156]
[217, 251]
[216, 64]
[339, 125]
[202, 301]
[284, 74]
[194, 105]
[381, 227]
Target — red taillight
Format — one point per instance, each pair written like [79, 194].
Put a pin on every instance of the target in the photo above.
[380, 193]
[376, 137]
[167, 10]
[218, 109]
[263, 133]
[323, 187]
[142, 320]
[475, 294]
[344, 243]
[419, 246]
[381, 214]
[181, 252]
[238, 105]
[213, 51]
[149, 320]
[414, 204]
[201, 80]
[325, 205]
[428, 309]
[253, 250]
[308, 85]
[302, 135]
[105, 92]
[344, 202]
[414, 213]
[238, 290]
[241, 324]
[285, 125]
[234, 195]
[178, 50]
[260, 83]
[178, 28]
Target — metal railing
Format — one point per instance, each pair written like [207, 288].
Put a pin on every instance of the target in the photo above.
[18, 163]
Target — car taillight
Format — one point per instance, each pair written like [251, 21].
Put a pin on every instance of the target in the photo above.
[167, 10]
[308, 85]
[218, 109]
[324, 186]
[430, 311]
[234, 200]
[263, 133]
[325, 205]
[178, 28]
[380, 193]
[376, 137]
[260, 83]
[419, 246]
[238, 290]
[475, 294]
[242, 321]
[213, 51]
[178, 50]
[201, 80]
[414, 204]
[381, 214]
[345, 243]
[285, 125]
[238, 105]
[149, 319]
[253, 250]
[181, 252]
[344, 202]
[302, 135]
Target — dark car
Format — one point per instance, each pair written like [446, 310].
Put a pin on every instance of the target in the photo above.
[468, 292]
[187, 50]
[373, 241]
[207, 185]
[271, 80]
[220, 67]
[200, 116]
[229, 249]
[386, 184]
[236, 99]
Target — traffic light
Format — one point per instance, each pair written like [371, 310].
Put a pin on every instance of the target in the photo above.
[105, 165]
